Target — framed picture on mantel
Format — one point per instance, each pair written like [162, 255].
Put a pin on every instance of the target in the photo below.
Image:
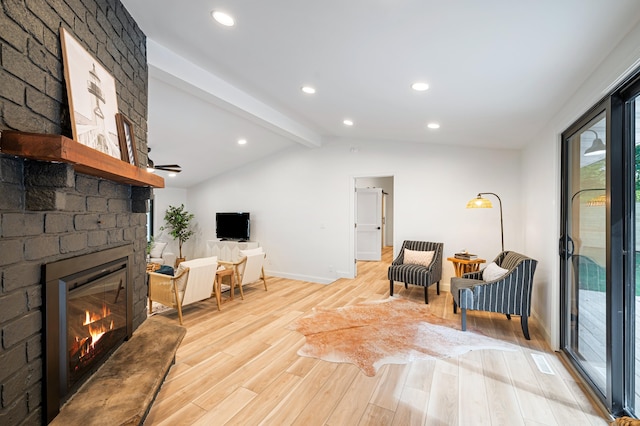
[127, 140]
[93, 102]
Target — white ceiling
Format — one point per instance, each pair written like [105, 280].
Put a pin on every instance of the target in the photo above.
[498, 70]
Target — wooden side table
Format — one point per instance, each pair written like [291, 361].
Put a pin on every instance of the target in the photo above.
[462, 266]
[217, 285]
[234, 267]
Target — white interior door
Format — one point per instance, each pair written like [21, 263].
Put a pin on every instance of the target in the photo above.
[369, 224]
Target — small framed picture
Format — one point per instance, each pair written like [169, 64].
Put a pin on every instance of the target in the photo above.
[127, 140]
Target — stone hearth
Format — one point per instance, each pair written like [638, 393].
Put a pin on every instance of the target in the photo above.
[122, 391]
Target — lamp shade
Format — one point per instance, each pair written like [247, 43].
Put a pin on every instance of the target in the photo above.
[482, 203]
[597, 147]
[479, 203]
[600, 200]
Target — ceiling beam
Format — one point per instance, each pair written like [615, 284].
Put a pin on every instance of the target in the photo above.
[173, 69]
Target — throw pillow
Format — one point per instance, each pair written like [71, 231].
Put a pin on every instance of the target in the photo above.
[414, 257]
[165, 269]
[493, 272]
[156, 250]
[251, 252]
[181, 282]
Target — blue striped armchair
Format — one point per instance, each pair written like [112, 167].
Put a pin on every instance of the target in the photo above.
[510, 294]
[417, 274]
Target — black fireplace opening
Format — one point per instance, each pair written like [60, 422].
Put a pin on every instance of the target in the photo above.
[96, 321]
[88, 310]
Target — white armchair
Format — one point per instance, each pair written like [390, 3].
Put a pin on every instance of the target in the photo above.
[249, 269]
[192, 281]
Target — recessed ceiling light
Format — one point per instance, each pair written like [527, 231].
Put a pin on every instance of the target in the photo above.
[308, 89]
[172, 174]
[151, 170]
[419, 86]
[223, 18]
[242, 141]
[433, 125]
[348, 122]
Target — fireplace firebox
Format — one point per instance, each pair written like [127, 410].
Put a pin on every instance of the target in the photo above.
[88, 312]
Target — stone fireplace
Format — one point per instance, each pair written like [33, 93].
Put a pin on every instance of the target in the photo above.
[68, 219]
[49, 211]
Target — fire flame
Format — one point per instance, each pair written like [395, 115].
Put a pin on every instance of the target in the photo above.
[91, 317]
[97, 328]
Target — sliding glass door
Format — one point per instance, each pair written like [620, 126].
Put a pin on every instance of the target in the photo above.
[586, 248]
[600, 248]
[633, 288]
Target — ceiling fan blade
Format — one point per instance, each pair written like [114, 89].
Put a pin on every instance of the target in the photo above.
[169, 169]
[174, 168]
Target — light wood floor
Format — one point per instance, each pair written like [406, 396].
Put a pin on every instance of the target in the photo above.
[240, 367]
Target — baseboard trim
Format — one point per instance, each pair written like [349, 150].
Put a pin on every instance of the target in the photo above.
[299, 277]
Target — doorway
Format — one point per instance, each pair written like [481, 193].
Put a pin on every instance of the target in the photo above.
[373, 209]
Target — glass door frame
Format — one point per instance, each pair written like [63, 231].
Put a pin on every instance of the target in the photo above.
[567, 248]
[627, 97]
[620, 248]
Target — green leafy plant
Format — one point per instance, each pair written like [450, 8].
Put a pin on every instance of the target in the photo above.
[178, 224]
[149, 244]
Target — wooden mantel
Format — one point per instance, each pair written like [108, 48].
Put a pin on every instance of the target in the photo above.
[42, 147]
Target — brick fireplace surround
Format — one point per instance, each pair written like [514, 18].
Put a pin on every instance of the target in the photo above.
[48, 212]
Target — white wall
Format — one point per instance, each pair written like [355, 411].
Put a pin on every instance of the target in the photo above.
[162, 199]
[302, 202]
[541, 181]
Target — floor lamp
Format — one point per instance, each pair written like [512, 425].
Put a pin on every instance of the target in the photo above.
[483, 203]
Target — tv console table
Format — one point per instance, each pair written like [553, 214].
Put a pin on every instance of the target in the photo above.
[229, 250]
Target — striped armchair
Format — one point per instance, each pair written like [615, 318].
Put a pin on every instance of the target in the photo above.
[415, 274]
[509, 294]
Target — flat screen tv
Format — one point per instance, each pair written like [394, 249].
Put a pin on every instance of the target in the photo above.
[232, 226]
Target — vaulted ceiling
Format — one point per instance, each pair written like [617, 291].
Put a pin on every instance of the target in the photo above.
[497, 71]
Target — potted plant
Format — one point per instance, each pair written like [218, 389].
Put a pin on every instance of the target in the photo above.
[179, 226]
[149, 245]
